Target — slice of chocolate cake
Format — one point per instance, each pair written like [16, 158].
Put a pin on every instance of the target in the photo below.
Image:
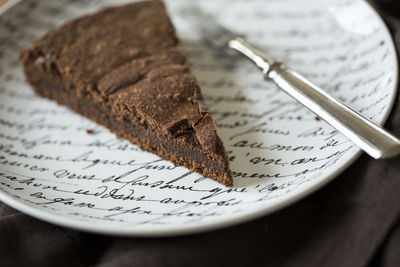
[124, 68]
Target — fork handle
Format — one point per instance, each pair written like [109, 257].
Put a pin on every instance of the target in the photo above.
[370, 137]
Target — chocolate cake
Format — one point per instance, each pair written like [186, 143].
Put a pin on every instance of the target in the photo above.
[124, 68]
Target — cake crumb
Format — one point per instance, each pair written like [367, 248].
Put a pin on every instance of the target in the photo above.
[317, 118]
[90, 131]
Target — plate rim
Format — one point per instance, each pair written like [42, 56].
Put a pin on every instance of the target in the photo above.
[68, 222]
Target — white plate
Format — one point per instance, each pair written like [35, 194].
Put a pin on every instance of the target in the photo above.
[52, 169]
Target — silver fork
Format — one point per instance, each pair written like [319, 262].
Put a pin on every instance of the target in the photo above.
[370, 137]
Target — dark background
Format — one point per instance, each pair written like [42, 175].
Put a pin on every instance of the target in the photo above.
[353, 221]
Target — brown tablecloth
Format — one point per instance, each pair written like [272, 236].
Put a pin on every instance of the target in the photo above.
[353, 221]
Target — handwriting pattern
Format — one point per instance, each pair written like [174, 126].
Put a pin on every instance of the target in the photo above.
[57, 162]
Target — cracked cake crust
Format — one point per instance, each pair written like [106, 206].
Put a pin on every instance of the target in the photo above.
[124, 68]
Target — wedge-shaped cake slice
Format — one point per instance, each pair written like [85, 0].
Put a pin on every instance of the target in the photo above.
[124, 68]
